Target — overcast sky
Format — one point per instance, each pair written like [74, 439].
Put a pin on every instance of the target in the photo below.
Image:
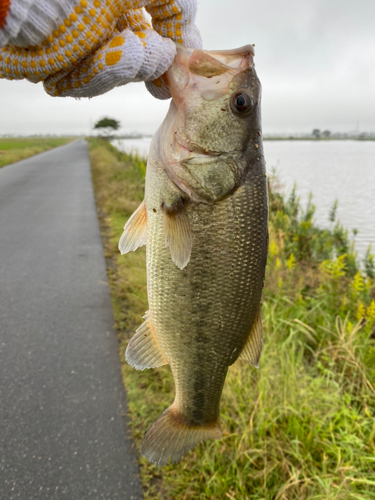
[315, 59]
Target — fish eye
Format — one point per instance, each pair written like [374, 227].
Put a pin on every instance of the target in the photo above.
[241, 103]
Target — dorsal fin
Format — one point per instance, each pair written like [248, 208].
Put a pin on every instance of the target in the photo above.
[253, 347]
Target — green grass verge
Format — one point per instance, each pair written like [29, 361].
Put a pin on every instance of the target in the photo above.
[16, 149]
[300, 427]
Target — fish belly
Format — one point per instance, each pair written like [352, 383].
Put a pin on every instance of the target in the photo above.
[202, 315]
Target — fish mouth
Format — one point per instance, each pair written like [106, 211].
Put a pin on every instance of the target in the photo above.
[194, 69]
[210, 63]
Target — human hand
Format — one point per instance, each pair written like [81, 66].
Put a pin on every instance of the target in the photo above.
[84, 48]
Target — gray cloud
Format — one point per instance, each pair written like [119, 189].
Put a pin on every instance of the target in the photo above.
[315, 58]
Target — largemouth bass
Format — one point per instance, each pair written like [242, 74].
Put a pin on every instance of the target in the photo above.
[204, 219]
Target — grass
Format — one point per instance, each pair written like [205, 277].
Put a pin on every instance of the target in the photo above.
[300, 427]
[16, 149]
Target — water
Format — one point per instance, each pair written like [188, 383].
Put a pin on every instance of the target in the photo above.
[342, 170]
[139, 146]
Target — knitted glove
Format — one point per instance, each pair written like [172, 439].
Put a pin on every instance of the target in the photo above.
[83, 48]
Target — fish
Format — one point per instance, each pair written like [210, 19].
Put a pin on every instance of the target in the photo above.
[204, 223]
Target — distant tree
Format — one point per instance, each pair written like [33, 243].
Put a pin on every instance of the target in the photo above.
[107, 126]
[326, 133]
[316, 133]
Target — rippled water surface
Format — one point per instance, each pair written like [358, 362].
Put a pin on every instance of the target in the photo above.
[343, 170]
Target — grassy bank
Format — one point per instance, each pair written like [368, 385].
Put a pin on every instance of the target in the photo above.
[300, 427]
[16, 149]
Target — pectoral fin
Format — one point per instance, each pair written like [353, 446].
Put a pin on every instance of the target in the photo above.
[177, 234]
[253, 347]
[144, 350]
[135, 231]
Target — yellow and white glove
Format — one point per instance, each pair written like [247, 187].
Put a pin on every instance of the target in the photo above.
[84, 48]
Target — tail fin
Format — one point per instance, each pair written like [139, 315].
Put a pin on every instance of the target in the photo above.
[172, 436]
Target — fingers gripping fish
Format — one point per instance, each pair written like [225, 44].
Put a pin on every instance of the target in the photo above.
[204, 219]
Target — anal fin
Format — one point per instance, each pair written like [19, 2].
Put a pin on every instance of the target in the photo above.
[253, 347]
[135, 231]
[144, 350]
[177, 233]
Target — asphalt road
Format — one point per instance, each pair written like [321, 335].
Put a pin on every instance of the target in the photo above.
[63, 432]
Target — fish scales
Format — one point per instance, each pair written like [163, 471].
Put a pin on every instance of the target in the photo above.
[200, 310]
[204, 223]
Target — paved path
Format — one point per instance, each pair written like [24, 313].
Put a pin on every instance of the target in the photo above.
[63, 433]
